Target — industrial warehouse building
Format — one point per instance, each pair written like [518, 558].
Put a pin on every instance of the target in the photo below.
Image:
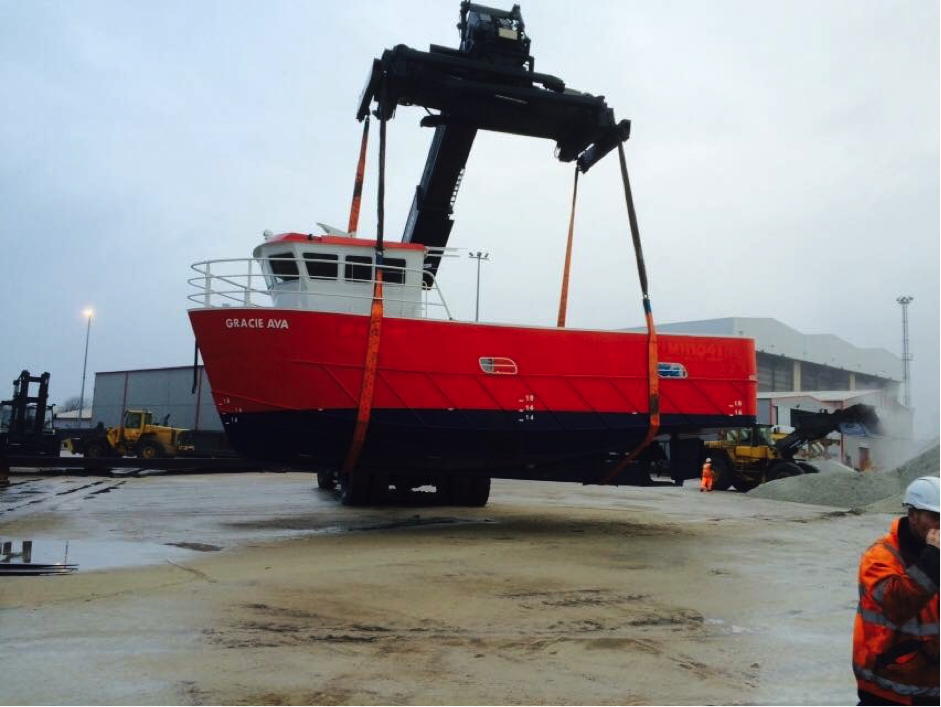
[163, 391]
[820, 372]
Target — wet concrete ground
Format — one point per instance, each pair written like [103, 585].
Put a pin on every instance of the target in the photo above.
[260, 588]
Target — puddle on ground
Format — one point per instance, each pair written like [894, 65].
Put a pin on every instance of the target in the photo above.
[410, 522]
[306, 525]
[91, 555]
[727, 628]
[198, 547]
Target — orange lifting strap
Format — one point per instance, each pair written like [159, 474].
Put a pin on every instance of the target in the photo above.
[358, 184]
[564, 298]
[375, 314]
[653, 375]
[369, 376]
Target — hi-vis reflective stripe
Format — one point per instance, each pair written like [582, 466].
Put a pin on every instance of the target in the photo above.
[879, 591]
[923, 580]
[912, 627]
[894, 552]
[896, 687]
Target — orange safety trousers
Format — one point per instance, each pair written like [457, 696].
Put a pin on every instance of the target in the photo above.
[707, 477]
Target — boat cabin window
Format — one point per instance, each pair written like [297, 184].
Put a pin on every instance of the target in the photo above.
[358, 268]
[283, 267]
[393, 271]
[321, 266]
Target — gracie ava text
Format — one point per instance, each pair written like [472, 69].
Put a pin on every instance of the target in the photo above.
[256, 323]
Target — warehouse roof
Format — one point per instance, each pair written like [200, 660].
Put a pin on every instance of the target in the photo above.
[774, 337]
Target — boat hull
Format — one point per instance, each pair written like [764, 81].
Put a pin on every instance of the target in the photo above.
[286, 384]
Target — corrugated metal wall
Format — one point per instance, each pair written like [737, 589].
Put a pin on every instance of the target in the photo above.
[162, 391]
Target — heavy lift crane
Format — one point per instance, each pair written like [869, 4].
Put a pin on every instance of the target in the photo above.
[487, 83]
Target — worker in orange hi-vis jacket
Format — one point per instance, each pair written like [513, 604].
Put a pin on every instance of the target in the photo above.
[895, 639]
[707, 476]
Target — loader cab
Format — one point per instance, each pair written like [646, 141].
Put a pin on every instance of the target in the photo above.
[337, 273]
[756, 436]
[747, 444]
[137, 419]
[132, 427]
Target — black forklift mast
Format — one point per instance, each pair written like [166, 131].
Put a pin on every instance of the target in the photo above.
[20, 427]
[487, 83]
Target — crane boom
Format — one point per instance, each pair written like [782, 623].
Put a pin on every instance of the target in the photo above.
[487, 83]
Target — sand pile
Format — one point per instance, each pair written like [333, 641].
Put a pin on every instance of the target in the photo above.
[876, 492]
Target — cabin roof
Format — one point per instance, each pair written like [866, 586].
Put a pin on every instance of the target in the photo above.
[339, 240]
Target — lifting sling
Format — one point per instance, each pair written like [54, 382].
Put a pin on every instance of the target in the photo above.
[367, 391]
[653, 378]
[564, 298]
[358, 183]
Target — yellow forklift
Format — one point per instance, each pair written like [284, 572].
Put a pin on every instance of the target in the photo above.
[137, 436]
[745, 458]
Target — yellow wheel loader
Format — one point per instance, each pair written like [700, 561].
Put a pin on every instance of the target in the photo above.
[137, 436]
[744, 458]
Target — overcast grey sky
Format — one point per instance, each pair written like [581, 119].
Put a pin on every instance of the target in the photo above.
[784, 159]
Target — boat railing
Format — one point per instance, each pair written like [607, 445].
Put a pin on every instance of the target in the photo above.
[246, 282]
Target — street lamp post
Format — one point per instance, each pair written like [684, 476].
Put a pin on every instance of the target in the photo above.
[478, 256]
[906, 300]
[89, 313]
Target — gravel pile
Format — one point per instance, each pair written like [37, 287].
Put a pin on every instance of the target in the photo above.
[876, 492]
[827, 466]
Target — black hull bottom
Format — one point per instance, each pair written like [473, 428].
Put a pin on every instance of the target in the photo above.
[551, 446]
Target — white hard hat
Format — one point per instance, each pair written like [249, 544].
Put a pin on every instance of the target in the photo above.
[924, 493]
[709, 459]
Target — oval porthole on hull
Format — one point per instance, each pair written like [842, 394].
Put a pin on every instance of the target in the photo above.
[671, 370]
[498, 365]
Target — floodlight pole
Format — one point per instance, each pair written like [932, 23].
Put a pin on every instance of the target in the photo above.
[905, 300]
[478, 256]
[81, 399]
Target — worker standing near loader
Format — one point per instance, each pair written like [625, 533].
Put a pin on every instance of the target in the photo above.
[895, 640]
[707, 476]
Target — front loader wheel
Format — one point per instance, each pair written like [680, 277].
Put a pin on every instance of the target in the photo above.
[97, 448]
[783, 470]
[150, 449]
[745, 483]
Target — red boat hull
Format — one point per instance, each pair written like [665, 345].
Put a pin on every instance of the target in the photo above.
[287, 384]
